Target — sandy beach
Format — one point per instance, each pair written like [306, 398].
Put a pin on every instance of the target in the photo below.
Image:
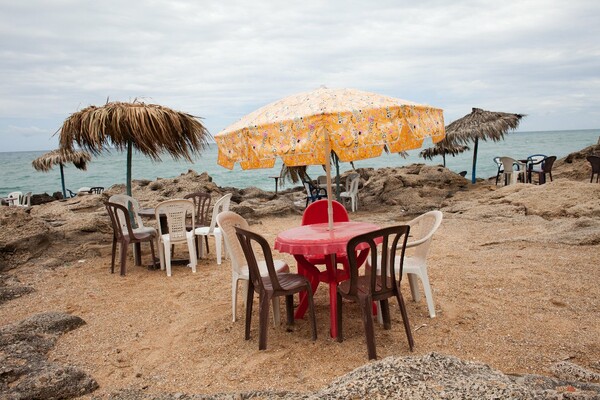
[514, 271]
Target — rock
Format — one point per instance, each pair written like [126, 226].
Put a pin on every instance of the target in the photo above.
[25, 371]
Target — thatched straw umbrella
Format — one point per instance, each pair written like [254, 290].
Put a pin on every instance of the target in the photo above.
[150, 128]
[443, 148]
[484, 125]
[60, 157]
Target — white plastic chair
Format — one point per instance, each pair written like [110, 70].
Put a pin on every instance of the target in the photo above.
[176, 212]
[510, 174]
[422, 229]
[227, 222]
[221, 205]
[14, 198]
[25, 201]
[351, 192]
[134, 206]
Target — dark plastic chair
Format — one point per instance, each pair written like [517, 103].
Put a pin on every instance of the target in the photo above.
[500, 169]
[314, 193]
[124, 233]
[202, 204]
[595, 162]
[540, 167]
[364, 289]
[268, 287]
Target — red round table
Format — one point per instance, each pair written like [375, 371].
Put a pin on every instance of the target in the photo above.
[316, 240]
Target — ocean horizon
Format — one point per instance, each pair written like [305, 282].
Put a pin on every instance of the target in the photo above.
[109, 168]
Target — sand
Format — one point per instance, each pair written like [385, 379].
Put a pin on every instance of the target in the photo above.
[514, 270]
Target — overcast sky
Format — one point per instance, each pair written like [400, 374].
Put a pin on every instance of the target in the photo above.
[222, 59]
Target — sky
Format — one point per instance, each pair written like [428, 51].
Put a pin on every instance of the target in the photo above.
[220, 60]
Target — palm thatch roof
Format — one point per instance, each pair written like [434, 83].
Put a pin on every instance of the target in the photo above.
[46, 161]
[149, 128]
[482, 125]
[443, 148]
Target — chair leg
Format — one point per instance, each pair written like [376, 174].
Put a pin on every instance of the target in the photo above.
[153, 254]
[289, 308]
[161, 255]
[218, 245]
[263, 320]
[365, 305]
[414, 287]
[192, 252]
[249, 301]
[206, 241]
[167, 249]
[428, 293]
[114, 253]
[124, 246]
[276, 311]
[409, 336]
[234, 292]
[340, 335]
[385, 313]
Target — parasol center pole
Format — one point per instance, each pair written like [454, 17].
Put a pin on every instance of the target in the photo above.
[473, 178]
[62, 181]
[328, 172]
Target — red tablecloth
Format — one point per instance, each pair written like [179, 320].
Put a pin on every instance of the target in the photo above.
[313, 240]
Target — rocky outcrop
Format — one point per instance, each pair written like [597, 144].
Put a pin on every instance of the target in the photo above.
[26, 373]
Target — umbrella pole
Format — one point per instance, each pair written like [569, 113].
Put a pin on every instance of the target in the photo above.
[474, 160]
[444, 158]
[337, 177]
[129, 168]
[62, 181]
[328, 171]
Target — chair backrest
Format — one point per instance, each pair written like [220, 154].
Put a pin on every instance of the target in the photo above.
[507, 163]
[311, 191]
[422, 229]
[499, 164]
[352, 182]
[392, 241]
[132, 205]
[201, 201]
[247, 239]
[536, 158]
[17, 198]
[595, 162]
[97, 189]
[221, 205]
[177, 211]
[316, 213]
[120, 220]
[228, 221]
[548, 163]
[25, 201]
[322, 180]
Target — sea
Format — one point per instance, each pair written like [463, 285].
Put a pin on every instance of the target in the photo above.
[109, 168]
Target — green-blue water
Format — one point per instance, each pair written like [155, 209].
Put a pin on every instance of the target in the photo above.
[109, 168]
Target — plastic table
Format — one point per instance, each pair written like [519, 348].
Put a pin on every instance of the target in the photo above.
[315, 240]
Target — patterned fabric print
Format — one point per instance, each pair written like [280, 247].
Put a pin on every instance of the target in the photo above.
[358, 123]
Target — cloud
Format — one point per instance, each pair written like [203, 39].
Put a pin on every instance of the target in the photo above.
[221, 60]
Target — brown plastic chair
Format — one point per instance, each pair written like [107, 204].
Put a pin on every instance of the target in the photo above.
[124, 233]
[364, 289]
[273, 285]
[545, 167]
[595, 161]
[202, 204]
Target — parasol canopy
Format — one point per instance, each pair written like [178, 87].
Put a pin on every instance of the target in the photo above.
[305, 128]
[59, 157]
[481, 125]
[149, 128]
[443, 148]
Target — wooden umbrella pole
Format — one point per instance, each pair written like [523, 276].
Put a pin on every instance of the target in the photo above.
[62, 181]
[473, 177]
[129, 167]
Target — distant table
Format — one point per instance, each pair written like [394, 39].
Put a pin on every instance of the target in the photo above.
[311, 240]
[276, 181]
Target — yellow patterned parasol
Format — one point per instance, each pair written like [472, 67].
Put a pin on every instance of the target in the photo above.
[304, 128]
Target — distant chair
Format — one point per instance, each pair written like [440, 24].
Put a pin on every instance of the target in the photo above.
[510, 174]
[541, 168]
[25, 201]
[125, 234]
[351, 192]
[176, 213]
[201, 201]
[14, 198]
[221, 205]
[314, 193]
[96, 189]
[595, 162]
